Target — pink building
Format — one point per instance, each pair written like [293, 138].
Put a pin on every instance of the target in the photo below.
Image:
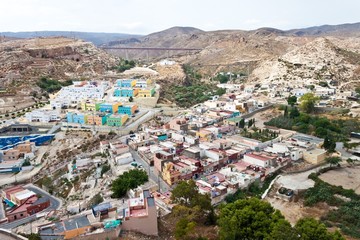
[178, 124]
[141, 215]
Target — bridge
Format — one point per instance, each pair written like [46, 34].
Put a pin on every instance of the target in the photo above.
[151, 49]
[154, 48]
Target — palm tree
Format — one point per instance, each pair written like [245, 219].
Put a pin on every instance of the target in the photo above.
[333, 160]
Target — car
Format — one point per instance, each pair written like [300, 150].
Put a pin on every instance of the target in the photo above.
[133, 115]
[140, 166]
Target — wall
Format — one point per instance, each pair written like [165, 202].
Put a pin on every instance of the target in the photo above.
[112, 234]
[248, 115]
[76, 232]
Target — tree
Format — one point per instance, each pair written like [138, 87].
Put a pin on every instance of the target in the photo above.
[333, 160]
[292, 100]
[248, 219]
[242, 123]
[128, 180]
[286, 112]
[183, 228]
[294, 112]
[186, 193]
[309, 229]
[104, 169]
[251, 122]
[308, 101]
[329, 143]
[131, 99]
[282, 230]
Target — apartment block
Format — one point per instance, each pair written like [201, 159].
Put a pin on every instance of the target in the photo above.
[129, 109]
[146, 92]
[76, 117]
[126, 83]
[109, 107]
[116, 120]
[96, 119]
[126, 92]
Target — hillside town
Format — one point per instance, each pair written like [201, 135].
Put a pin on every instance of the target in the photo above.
[225, 145]
[175, 120]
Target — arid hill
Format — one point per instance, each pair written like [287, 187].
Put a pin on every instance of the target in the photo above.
[267, 52]
[24, 61]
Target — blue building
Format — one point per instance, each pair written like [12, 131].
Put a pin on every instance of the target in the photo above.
[162, 137]
[109, 107]
[126, 83]
[129, 110]
[76, 118]
[235, 114]
[125, 92]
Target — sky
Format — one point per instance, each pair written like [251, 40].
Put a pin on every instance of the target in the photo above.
[147, 16]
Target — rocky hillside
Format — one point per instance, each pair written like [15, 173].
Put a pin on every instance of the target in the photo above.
[322, 59]
[25, 61]
[266, 54]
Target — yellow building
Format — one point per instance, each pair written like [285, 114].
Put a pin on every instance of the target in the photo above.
[170, 174]
[89, 106]
[204, 134]
[146, 92]
[315, 156]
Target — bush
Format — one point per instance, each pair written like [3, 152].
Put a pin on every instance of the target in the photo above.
[50, 85]
[105, 168]
[128, 180]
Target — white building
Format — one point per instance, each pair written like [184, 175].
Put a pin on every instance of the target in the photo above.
[257, 159]
[78, 92]
[44, 116]
[229, 86]
[323, 91]
[124, 159]
[230, 106]
[300, 92]
[141, 83]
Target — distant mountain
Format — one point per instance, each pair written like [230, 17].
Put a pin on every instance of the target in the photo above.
[95, 38]
[341, 30]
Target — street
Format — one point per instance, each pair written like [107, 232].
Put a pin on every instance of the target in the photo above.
[150, 171]
[55, 204]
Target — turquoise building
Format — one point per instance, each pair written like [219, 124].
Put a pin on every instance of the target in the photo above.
[76, 118]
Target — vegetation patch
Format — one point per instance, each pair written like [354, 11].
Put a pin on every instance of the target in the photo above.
[51, 85]
[260, 135]
[193, 91]
[347, 214]
[255, 189]
[337, 130]
[128, 180]
[124, 65]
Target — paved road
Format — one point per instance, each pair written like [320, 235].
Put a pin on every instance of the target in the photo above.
[55, 204]
[150, 171]
[344, 153]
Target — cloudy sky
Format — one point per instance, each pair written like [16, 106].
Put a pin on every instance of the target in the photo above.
[146, 16]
